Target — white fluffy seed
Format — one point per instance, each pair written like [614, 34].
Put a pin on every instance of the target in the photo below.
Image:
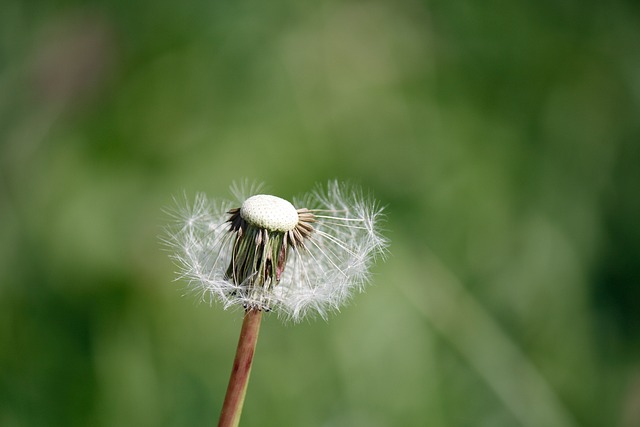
[270, 212]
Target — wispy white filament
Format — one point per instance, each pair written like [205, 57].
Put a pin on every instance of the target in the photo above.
[318, 278]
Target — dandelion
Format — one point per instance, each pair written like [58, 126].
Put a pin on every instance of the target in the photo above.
[263, 253]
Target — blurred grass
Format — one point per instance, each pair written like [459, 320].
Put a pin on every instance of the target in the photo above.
[503, 137]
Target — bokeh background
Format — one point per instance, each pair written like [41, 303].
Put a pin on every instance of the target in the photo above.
[503, 137]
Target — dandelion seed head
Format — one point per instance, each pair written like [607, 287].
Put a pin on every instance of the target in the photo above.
[270, 212]
[300, 259]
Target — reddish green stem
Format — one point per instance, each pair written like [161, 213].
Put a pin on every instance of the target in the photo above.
[232, 407]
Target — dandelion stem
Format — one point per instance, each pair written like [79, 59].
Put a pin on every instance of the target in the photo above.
[232, 407]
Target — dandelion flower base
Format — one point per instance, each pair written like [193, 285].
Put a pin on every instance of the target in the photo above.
[269, 212]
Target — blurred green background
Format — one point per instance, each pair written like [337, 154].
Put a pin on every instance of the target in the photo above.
[503, 137]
